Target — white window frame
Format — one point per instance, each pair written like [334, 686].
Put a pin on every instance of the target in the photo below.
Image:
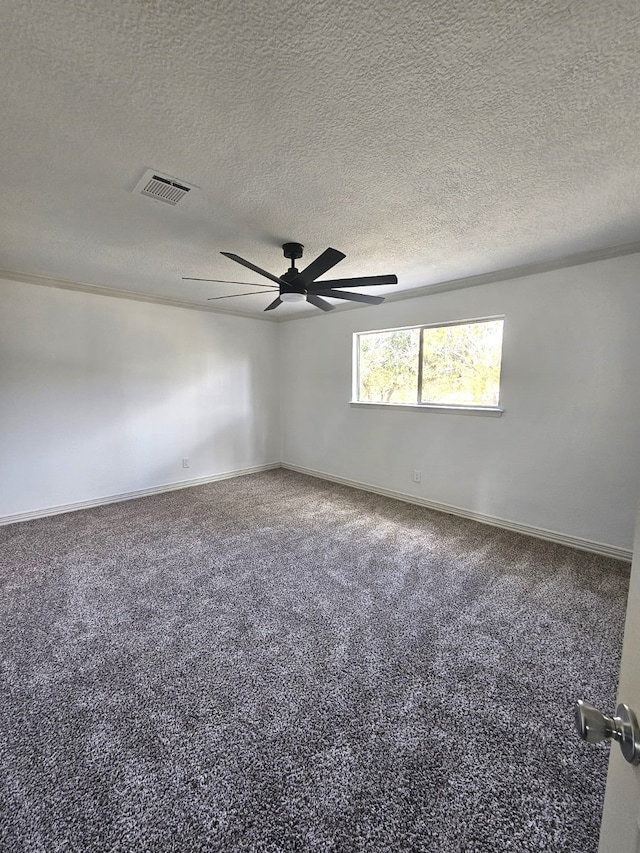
[484, 411]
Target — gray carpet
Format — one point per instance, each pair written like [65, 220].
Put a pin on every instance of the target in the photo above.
[277, 663]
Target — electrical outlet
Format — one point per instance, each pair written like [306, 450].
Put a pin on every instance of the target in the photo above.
[185, 461]
[417, 476]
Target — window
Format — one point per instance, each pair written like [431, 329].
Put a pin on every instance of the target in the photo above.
[450, 365]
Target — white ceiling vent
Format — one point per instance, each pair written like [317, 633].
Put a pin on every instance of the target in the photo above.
[162, 187]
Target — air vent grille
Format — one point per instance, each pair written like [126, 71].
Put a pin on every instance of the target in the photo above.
[164, 190]
[162, 187]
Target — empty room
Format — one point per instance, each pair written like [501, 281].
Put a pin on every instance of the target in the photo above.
[319, 427]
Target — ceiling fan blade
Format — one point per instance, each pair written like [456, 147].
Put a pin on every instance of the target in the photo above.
[253, 267]
[274, 304]
[226, 281]
[363, 281]
[233, 295]
[329, 258]
[319, 303]
[352, 297]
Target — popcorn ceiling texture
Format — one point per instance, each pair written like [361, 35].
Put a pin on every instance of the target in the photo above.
[276, 663]
[432, 139]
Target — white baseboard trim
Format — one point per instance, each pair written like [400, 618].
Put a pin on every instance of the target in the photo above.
[537, 532]
[129, 496]
[528, 530]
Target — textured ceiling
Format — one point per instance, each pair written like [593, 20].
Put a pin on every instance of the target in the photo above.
[433, 138]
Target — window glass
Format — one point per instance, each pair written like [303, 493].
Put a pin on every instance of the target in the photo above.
[388, 366]
[457, 364]
[461, 364]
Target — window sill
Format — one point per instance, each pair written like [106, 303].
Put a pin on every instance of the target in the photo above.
[482, 411]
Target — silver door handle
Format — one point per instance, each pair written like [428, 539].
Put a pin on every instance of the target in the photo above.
[594, 726]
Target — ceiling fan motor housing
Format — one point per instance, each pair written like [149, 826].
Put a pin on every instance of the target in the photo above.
[290, 275]
[293, 251]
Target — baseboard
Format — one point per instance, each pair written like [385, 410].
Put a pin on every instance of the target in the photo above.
[528, 530]
[129, 496]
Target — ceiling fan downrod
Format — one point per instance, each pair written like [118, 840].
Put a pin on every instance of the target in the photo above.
[292, 251]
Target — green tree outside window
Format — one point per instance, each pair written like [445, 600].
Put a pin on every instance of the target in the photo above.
[460, 365]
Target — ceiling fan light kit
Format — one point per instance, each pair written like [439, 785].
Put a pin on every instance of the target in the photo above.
[292, 297]
[300, 285]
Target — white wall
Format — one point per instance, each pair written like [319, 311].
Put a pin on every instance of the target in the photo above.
[564, 456]
[102, 396]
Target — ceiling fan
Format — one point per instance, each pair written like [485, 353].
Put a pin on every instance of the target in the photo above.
[296, 286]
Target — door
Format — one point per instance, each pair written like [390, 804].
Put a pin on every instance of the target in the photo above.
[620, 831]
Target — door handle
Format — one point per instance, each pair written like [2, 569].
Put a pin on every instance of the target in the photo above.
[594, 726]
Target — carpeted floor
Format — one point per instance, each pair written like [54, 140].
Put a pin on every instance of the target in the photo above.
[277, 663]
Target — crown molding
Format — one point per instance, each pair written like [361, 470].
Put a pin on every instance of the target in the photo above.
[504, 274]
[99, 290]
[519, 271]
